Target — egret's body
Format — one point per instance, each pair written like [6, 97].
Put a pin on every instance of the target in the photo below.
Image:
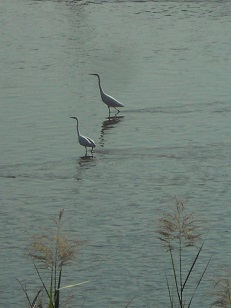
[84, 141]
[107, 99]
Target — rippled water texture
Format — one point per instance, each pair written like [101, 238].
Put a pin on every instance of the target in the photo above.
[169, 63]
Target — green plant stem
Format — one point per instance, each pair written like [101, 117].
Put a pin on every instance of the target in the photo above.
[175, 277]
[169, 291]
[180, 252]
[44, 286]
[51, 289]
[57, 291]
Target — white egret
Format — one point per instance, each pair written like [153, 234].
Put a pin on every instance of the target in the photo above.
[107, 99]
[84, 141]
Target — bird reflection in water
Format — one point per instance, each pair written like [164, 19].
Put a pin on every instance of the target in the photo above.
[82, 164]
[86, 160]
[108, 124]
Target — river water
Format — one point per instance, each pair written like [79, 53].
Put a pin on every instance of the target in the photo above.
[170, 64]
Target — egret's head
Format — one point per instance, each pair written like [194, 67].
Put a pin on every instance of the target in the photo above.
[95, 75]
[74, 118]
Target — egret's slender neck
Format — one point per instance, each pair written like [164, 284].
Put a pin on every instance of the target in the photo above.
[77, 126]
[100, 88]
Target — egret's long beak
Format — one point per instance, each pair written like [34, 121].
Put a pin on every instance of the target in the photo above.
[93, 74]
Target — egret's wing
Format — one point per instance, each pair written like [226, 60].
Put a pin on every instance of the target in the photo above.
[91, 141]
[111, 101]
[114, 102]
[84, 141]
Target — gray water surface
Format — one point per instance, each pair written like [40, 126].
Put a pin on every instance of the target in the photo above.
[170, 64]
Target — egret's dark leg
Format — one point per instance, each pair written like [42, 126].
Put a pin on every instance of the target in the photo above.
[117, 110]
[86, 151]
[92, 149]
[109, 112]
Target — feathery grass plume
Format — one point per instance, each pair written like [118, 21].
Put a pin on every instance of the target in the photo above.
[178, 231]
[52, 250]
[223, 293]
[52, 247]
[178, 226]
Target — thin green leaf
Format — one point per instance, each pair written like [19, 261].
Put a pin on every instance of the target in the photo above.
[193, 264]
[129, 302]
[24, 290]
[199, 282]
[73, 285]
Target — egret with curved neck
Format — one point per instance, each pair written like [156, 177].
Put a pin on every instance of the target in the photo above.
[84, 141]
[110, 101]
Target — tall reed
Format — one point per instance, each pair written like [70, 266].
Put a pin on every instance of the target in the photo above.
[178, 231]
[51, 250]
[223, 292]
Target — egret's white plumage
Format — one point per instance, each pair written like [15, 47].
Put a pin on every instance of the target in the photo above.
[84, 141]
[107, 99]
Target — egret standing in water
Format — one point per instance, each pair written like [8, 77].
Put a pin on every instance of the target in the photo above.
[84, 141]
[107, 99]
